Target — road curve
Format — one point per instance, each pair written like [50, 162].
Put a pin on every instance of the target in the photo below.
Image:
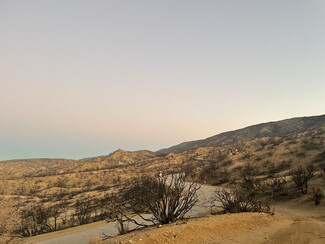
[81, 234]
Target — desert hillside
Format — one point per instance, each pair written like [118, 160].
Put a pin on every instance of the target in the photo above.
[282, 129]
[34, 186]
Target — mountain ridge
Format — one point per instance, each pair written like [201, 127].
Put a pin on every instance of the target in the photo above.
[281, 128]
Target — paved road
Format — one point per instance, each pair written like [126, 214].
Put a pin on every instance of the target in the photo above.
[82, 236]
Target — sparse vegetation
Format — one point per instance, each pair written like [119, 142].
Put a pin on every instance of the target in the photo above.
[52, 194]
[279, 186]
[248, 176]
[301, 176]
[10, 221]
[167, 199]
[316, 194]
[320, 157]
[122, 226]
[238, 201]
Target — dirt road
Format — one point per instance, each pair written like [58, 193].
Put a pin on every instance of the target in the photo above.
[296, 222]
[303, 225]
[81, 234]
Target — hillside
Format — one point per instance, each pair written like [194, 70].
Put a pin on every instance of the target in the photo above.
[281, 129]
[272, 148]
[19, 168]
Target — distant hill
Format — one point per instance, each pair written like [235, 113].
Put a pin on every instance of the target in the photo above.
[144, 159]
[18, 168]
[281, 128]
[118, 158]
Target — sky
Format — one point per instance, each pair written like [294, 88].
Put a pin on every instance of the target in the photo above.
[84, 78]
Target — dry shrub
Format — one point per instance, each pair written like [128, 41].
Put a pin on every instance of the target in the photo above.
[238, 201]
[316, 194]
[248, 174]
[301, 175]
[279, 186]
[122, 226]
[166, 198]
[229, 202]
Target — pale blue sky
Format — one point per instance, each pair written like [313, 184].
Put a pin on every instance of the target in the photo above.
[83, 78]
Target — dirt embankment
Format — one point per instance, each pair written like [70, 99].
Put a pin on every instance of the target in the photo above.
[293, 223]
[211, 229]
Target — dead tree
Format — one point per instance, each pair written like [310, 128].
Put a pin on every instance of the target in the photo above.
[166, 199]
[83, 211]
[301, 175]
[56, 210]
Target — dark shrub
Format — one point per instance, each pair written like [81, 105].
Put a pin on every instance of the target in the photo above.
[301, 175]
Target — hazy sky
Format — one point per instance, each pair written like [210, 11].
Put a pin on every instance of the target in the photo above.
[83, 78]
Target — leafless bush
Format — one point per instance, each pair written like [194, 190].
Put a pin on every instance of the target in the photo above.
[122, 226]
[316, 194]
[249, 180]
[168, 199]
[56, 210]
[83, 211]
[165, 198]
[279, 186]
[238, 201]
[230, 202]
[34, 220]
[116, 209]
[301, 175]
[262, 206]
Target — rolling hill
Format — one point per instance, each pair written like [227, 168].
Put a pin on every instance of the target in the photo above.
[283, 128]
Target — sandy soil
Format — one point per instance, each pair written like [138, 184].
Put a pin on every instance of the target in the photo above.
[291, 224]
[306, 224]
[211, 229]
